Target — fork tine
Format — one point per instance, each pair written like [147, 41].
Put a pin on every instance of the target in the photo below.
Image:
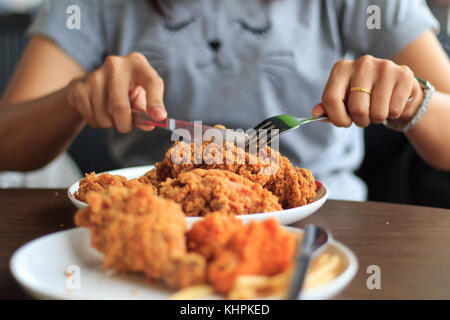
[268, 137]
[261, 127]
[269, 125]
[263, 124]
[252, 139]
[252, 136]
[273, 137]
[282, 123]
[248, 144]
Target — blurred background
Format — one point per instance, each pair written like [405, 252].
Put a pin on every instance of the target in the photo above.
[391, 168]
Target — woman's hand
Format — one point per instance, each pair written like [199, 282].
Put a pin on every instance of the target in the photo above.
[390, 85]
[106, 96]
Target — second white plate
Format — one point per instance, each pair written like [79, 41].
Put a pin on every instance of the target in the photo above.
[63, 265]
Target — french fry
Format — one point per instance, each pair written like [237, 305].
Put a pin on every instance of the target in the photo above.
[251, 287]
[193, 293]
[324, 270]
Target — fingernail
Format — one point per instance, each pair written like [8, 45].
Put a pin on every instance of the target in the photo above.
[134, 94]
[158, 112]
[146, 128]
[316, 110]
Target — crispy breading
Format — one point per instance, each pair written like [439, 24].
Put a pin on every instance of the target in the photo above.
[292, 186]
[233, 249]
[211, 234]
[186, 271]
[201, 192]
[307, 186]
[137, 231]
[149, 178]
[101, 182]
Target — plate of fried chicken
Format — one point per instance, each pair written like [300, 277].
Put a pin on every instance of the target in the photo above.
[249, 187]
[141, 247]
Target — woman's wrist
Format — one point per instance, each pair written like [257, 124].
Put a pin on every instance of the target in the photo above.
[406, 123]
[68, 95]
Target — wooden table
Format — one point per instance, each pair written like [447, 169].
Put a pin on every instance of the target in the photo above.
[410, 244]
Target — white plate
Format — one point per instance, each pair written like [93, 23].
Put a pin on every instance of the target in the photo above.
[42, 267]
[285, 217]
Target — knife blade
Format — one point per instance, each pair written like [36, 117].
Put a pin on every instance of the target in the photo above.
[193, 129]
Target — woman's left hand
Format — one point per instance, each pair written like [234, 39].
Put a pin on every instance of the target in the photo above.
[389, 88]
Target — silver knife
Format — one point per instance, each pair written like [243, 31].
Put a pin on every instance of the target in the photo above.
[170, 124]
[195, 129]
[315, 240]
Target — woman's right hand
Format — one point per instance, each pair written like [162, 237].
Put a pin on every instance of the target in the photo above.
[106, 96]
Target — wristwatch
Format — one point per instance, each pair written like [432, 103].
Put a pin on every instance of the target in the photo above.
[428, 90]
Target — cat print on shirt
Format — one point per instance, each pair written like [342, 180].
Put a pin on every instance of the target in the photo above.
[220, 36]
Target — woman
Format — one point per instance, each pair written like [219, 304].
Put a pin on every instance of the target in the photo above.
[232, 62]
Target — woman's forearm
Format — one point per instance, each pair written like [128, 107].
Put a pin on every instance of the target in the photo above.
[33, 133]
[431, 136]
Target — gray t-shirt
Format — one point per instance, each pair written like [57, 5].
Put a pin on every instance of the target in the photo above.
[237, 62]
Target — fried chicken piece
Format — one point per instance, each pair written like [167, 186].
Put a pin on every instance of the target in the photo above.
[307, 184]
[186, 271]
[150, 178]
[233, 249]
[183, 157]
[201, 192]
[102, 182]
[137, 231]
[211, 234]
[259, 248]
[293, 186]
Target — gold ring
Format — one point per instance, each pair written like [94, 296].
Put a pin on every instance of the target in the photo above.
[359, 89]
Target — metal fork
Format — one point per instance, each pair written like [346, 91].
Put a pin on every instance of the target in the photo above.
[272, 127]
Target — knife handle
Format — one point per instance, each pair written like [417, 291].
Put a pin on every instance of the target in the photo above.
[299, 277]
